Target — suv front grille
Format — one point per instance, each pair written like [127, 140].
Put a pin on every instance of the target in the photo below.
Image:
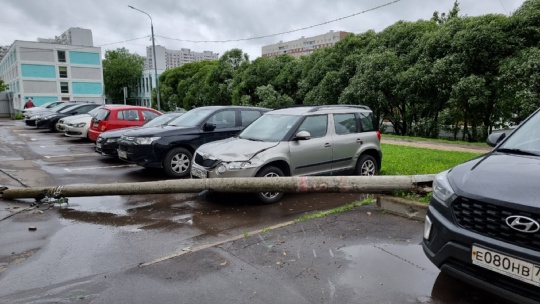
[490, 220]
[207, 163]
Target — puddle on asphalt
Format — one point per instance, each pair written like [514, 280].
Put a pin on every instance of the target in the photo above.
[405, 270]
[213, 215]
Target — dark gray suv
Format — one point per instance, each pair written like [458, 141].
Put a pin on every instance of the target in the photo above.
[483, 222]
[308, 140]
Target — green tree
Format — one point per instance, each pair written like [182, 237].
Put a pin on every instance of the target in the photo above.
[519, 84]
[121, 69]
[3, 86]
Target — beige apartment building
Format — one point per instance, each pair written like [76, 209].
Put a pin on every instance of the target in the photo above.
[303, 46]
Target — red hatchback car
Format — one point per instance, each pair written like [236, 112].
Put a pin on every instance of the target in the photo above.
[116, 117]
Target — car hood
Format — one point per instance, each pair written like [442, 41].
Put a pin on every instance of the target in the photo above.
[161, 131]
[75, 117]
[69, 119]
[499, 177]
[235, 149]
[116, 132]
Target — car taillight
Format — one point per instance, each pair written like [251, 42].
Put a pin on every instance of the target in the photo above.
[379, 135]
[103, 125]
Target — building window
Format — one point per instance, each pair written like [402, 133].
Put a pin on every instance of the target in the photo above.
[62, 71]
[61, 56]
[64, 87]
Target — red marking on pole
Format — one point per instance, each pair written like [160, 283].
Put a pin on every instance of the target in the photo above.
[302, 184]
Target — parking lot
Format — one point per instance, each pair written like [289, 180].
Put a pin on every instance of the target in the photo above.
[186, 248]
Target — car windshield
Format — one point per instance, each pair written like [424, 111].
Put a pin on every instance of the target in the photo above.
[60, 108]
[526, 138]
[270, 127]
[160, 120]
[67, 109]
[192, 118]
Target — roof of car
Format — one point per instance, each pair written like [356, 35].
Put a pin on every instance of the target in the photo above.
[231, 106]
[123, 107]
[304, 110]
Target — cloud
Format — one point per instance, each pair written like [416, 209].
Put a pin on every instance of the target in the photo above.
[210, 20]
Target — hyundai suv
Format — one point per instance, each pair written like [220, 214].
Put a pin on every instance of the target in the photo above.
[308, 140]
[483, 221]
[171, 146]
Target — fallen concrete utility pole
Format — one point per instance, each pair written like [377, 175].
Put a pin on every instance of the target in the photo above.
[296, 184]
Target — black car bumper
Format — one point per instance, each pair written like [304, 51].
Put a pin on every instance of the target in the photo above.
[107, 149]
[43, 124]
[30, 122]
[449, 247]
[142, 155]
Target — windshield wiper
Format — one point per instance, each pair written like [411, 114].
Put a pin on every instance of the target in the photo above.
[252, 139]
[517, 151]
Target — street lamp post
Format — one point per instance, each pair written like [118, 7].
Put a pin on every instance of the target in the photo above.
[154, 56]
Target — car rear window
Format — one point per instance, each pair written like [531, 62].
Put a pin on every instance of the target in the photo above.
[102, 114]
[366, 120]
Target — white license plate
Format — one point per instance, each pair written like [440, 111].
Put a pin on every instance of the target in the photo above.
[98, 146]
[507, 265]
[122, 154]
[199, 173]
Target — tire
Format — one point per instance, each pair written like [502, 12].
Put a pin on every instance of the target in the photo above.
[177, 163]
[269, 197]
[366, 166]
[54, 128]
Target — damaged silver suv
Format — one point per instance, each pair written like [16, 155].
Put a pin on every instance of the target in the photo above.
[307, 140]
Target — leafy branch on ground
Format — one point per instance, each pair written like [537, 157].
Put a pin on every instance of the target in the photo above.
[342, 209]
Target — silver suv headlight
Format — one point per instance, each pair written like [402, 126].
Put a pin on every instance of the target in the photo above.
[146, 140]
[442, 190]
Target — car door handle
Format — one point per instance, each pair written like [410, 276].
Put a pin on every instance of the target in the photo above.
[327, 145]
[358, 140]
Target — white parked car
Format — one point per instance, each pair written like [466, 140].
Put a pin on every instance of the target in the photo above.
[42, 108]
[61, 125]
[78, 126]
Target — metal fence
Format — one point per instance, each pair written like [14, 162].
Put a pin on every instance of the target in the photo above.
[6, 104]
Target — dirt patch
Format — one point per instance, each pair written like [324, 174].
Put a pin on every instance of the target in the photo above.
[437, 145]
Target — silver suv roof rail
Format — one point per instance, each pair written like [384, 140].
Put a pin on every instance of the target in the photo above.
[317, 108]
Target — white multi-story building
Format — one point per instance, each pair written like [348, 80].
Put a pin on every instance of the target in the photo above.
[166, 59]
[65, 68]
[303, 46]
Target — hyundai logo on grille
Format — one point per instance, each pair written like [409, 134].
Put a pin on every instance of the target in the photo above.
[522, 223]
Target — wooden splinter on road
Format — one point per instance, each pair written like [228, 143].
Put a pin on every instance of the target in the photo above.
[294, 184]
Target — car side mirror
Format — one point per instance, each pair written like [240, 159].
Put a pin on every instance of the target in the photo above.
[303, 135]
[209, 126]
[495, 138]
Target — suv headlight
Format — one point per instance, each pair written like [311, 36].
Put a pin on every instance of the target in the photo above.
[442, 190]
[145, 140]
[233, 166]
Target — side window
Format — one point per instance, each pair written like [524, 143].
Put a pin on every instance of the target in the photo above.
[249, 117]
[128, 115]
[149, 115]
[223, 119]
[345, 123]
[315, 125]
[366, 122]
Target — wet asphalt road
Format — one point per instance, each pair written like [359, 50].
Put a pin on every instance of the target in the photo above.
[188, 249]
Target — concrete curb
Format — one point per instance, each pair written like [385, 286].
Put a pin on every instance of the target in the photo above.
[402, 207]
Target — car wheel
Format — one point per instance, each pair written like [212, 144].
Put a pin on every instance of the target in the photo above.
[54, 127]
[177, 162]
[366, 166]
[269, 197]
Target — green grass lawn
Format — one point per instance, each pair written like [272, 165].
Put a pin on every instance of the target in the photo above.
[404, 160]
[449, 141]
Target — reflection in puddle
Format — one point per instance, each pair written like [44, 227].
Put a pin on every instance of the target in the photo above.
[411, 272]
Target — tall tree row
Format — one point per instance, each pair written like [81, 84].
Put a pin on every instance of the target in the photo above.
[452, 73]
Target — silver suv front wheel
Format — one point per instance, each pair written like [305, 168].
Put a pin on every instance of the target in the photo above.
[269, 197]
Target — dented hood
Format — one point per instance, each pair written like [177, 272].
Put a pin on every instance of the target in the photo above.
[234, 149]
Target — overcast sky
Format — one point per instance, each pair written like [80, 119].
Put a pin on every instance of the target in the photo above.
[115, 25]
